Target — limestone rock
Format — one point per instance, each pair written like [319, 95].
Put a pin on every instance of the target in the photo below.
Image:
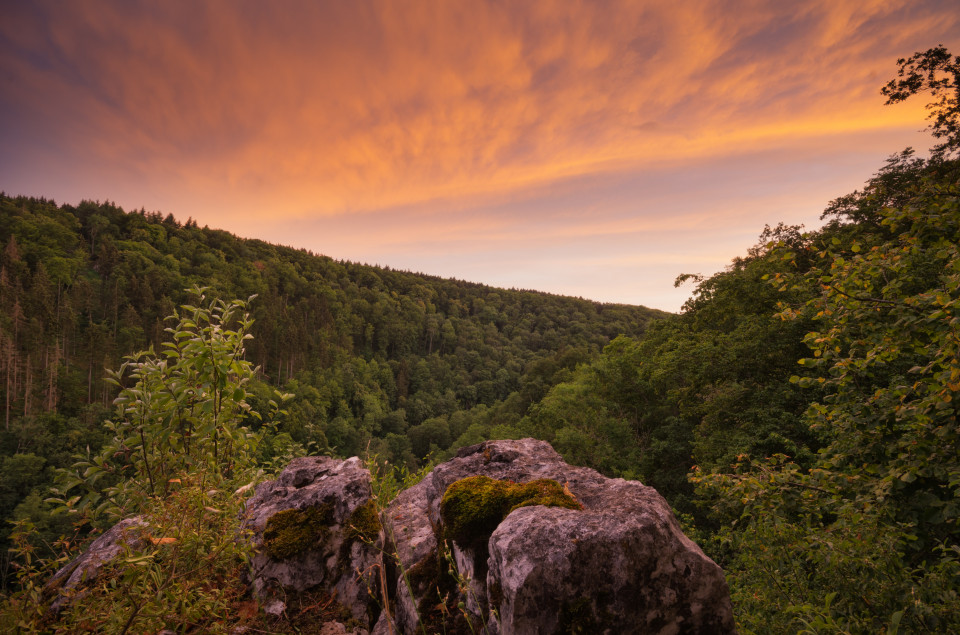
[67, 583]
[336, 628]
[316, 526]
[620, 565]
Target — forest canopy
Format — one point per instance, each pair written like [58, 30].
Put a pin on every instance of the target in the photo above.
[385, 362]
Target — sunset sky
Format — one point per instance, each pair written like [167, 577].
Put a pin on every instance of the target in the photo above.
[596, 149]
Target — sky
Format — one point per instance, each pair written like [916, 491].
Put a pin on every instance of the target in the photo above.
[594, 149]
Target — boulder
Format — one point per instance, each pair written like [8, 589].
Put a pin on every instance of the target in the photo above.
[316, 526]
[67, 583]
[522, 543]
[621, 564]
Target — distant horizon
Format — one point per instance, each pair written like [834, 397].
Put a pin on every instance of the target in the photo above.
[594, 151]
[311, 252]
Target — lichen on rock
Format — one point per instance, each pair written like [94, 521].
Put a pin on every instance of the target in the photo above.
[473, 507]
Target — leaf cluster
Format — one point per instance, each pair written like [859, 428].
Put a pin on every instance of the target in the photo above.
[938, 72]
[179, 414]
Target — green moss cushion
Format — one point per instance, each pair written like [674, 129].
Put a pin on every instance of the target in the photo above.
[472, 507]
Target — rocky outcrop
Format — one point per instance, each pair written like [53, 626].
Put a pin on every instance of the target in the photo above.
[619, 565]
[316, 525]
[67, 583]
[522, 543]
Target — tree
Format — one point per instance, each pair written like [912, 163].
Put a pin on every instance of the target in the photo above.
[868, 538]
[183, 416]
[180, 448]
[938, 72]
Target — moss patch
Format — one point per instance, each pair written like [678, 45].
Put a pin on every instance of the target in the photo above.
[364, 523]
[294, 531]
[472, 507]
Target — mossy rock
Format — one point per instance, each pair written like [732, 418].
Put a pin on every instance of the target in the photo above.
[424, 574]
[293, 531]
[364, 523]
[473, 507]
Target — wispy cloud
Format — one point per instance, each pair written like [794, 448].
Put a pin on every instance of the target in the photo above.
[441, 120]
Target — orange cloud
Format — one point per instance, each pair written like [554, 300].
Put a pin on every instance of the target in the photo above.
[352, 107]
[230, 110]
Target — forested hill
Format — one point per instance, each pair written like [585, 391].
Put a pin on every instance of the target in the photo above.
[370, 352]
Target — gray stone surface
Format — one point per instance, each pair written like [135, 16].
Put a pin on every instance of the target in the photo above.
[67, 583]
[337, 562]
[621, 565]
[336, 628]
